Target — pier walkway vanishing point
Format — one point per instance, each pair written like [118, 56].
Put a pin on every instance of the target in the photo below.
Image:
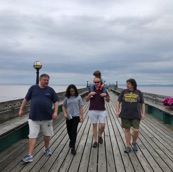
[155, 148]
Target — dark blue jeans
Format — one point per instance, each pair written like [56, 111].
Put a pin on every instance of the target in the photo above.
[72, 125]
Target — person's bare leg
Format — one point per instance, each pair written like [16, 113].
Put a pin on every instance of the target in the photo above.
[135, 134]
[101, 129]
[31, 144]
[46, 141]
[127, 136]
[95, 132]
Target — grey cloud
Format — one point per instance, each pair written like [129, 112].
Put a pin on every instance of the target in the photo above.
[77, 40]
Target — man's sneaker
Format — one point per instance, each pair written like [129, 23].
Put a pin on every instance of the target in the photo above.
[48, 152]
[127, 150]
[134, 146]
[28, 158]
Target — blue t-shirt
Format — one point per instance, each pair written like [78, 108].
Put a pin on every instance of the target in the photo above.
[41, 103]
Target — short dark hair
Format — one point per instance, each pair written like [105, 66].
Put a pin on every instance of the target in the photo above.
[67, 93]
[44, 75]
[97, 74]
[133, 82]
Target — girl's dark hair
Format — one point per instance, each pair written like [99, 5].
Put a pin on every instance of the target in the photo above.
[67, 94]
[133, 82]
[97, 74]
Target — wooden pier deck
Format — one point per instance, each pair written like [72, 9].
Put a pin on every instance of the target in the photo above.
[155, 149]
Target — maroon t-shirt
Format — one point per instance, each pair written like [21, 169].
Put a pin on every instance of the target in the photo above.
[97, 102]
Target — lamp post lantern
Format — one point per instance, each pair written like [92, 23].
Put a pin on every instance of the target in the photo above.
[37, 65]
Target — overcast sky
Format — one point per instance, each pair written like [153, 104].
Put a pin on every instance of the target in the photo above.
[73, 38]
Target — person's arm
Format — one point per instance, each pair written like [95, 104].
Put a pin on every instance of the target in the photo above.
[64, 108]
[55, 114]
[142, 106]
[143, 111]
[89, 96]
[81, 113]
[107, 98]
[65, 112]
[117, 109]
[24, 102]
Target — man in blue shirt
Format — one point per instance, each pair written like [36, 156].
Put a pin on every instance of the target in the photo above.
[41, 114]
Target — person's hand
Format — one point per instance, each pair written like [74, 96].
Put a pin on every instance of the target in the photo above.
[142, 116]
[54, 116]
[103, 94]
[117, 114]
[20, 113]
[92, 93]
[66, 116]
[81, 120]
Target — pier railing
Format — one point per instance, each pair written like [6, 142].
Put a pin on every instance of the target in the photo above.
[12, 131]
[10, 109]
[11, 128]
[149, 97]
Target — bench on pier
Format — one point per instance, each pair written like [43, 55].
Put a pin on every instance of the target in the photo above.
[160, 112]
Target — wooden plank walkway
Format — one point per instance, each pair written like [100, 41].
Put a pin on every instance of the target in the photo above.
[155, 149]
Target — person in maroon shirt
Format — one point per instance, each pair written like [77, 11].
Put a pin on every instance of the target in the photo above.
[97, 111]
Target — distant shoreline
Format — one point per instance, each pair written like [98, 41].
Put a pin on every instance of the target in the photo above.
[151, 85]
[143, 85]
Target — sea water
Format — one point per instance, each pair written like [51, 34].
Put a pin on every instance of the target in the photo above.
[13, 92]
[161, 90]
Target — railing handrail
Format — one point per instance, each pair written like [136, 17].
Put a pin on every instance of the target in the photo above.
[9, 109]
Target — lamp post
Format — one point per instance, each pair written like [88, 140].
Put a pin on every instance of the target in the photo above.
[37, 65]
[87, 84]
[116, 86]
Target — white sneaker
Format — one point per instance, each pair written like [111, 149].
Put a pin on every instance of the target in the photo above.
[48, 152]
[28, 158]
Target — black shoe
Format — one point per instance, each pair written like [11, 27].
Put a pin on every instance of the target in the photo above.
[95, 144]
[73, 151]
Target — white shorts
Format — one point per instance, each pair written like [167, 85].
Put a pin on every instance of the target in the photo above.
[97, 116]
[45, 126]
